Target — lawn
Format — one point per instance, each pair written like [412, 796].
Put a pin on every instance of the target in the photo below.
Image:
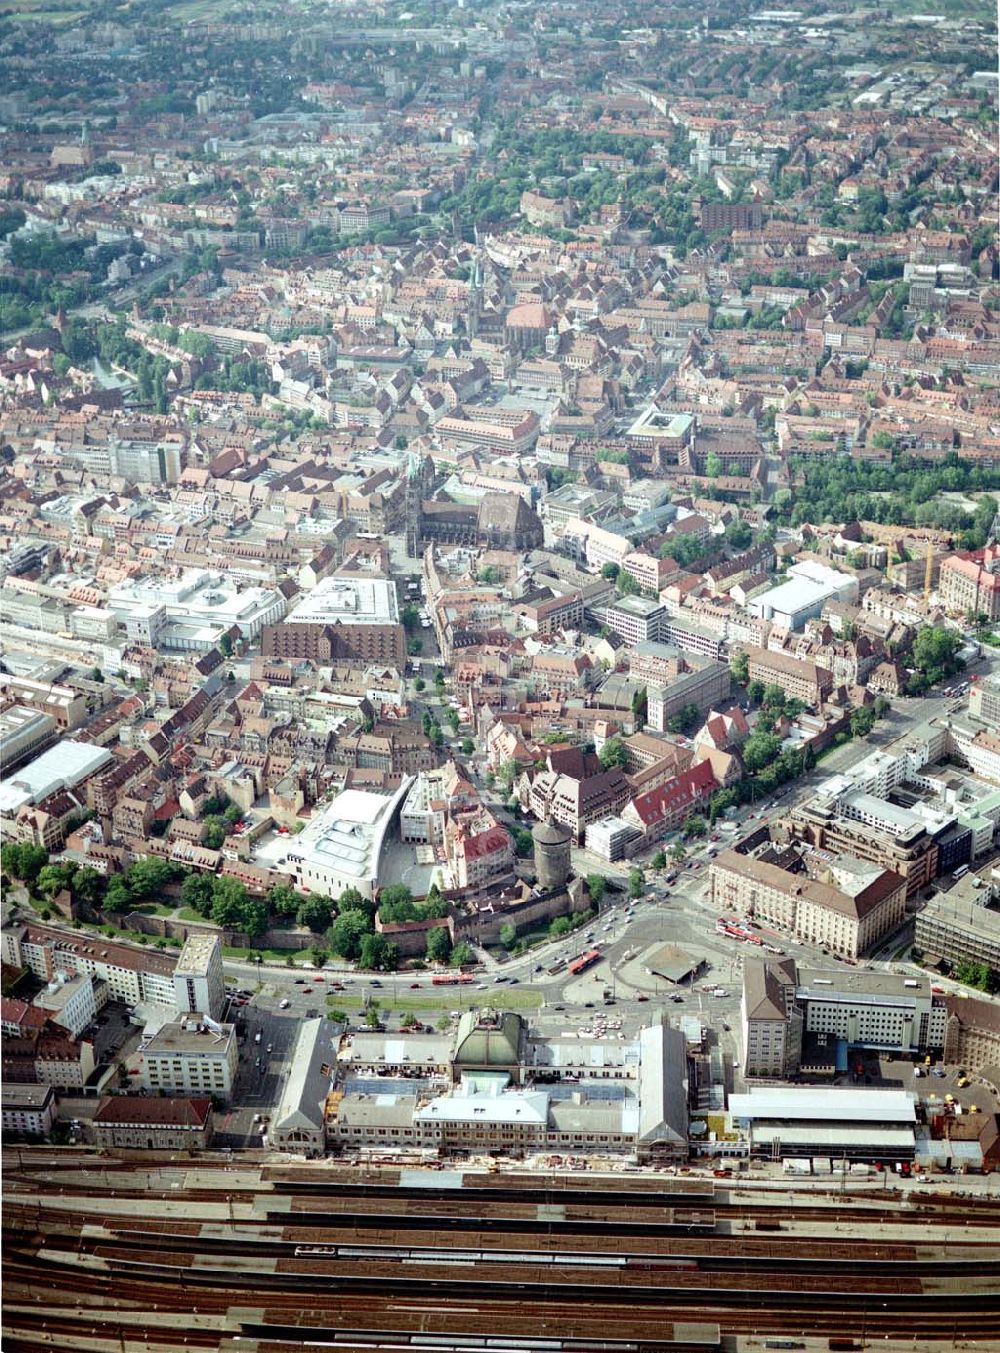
[520, 998]
[269, 955]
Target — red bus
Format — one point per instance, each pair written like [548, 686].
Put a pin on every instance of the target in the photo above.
[450, 979]
[585, 961]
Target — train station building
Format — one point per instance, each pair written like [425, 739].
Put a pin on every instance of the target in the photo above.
[507, 1089]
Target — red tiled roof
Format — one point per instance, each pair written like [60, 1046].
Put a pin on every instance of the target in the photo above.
[684, 790]
[144, 1109]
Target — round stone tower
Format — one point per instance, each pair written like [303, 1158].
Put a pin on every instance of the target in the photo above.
[552, 854]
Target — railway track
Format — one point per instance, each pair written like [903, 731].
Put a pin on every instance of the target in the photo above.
[295, 1258]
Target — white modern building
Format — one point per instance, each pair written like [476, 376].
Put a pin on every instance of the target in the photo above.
[348, 601]
[69, 1002]
[61, 767]
[840, 1123]
[192, 612]
[341, 847]
[199, 982]
[809, 587]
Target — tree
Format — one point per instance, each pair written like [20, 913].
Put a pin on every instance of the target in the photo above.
[87, 886]
[419, 684]
[23, 861]
[378, 953]
[524, 842]
[228, 902]
[659, 860]
[862, 722]
[315, 912]
[739, 666]
[507, 773]
[560, 925]
[627, 585]
[461, 954]
[283, 900]
[197, 892]
[610, 571]
[760, 750]
[508, 935]
[253, 917]
[695, 825]
[319, 954]
[393, 894]
[739, 535]
[636, 883]
[755, 691]
[468, 746]
[597, 886]
[713, 465]
[438, 944]
[347, 932]
[774, 697]
[613, 753]
[935, 653]
[148, 878]
[977, 975]
[215, 833]
[116, 895]
[53, 878]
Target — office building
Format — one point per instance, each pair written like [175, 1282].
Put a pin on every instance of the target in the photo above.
[342, 619]
[135, 975]
[984, 701]
[191, 1056]
[837, 902]
[959, 926]
[199, 983]
[69, 1001]
[28, 1110]
[638, 620]
[799, 680]
[908, 849]
[790, 1013]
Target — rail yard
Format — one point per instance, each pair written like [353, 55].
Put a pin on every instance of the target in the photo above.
[109, 1253]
